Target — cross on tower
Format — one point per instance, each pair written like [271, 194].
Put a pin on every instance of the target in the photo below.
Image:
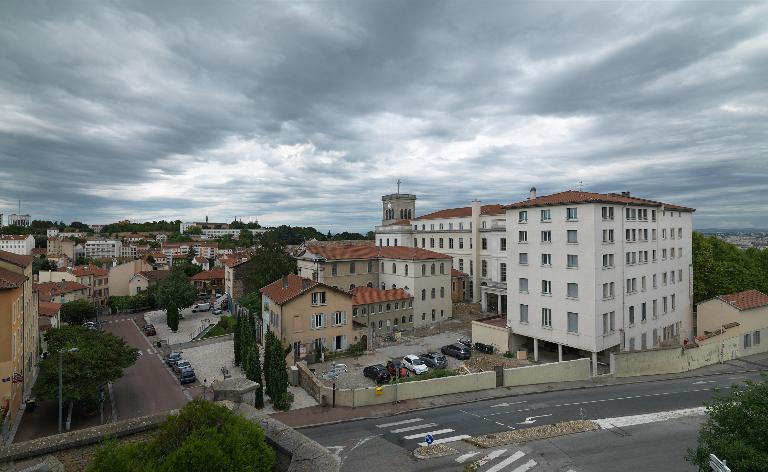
[398, 186]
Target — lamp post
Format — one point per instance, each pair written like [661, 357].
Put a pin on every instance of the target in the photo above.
[61, 363]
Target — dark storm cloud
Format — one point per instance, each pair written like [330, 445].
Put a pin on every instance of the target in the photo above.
[305, 113]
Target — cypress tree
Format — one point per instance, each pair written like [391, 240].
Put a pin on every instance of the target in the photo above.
[172, 317]
[269, 363]
[238, 340]
[259, 403]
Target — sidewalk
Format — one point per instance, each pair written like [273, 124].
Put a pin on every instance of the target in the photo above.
[321, 415]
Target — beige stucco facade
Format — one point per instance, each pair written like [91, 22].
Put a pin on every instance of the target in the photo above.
[120, 276]
[751, 330]
[344, 274]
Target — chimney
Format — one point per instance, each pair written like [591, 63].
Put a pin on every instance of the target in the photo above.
[304, 284]
[532, 194]
[624, 194]
[285, 281]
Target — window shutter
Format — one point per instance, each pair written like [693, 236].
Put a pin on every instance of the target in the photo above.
[343, 317]
[312, 322]
[322, 321]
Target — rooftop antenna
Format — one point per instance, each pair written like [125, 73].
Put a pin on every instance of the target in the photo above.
[581, 186]
[398, 186]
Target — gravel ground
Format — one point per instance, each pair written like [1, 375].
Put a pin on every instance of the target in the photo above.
[533, 434]
[187, 325]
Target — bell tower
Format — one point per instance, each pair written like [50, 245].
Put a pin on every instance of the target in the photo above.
[397, 206]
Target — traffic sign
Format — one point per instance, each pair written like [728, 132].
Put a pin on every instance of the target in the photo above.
[429, 439]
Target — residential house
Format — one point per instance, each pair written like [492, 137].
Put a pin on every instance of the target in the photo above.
[309, 316]
[18, 333]
[61, 292]
[382, 310]
[143, 280]
[459, 286]
[202, 262]
[209, 280]
[237, 277]
[120, 275]
[59, 246]
[743, 315]
[49, 316]
[93, 277]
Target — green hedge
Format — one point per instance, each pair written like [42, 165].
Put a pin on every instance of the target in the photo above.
[225, 325]
[430, 374]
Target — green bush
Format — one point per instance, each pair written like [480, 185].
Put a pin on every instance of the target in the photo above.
[283, 401]
[202, 437]
[509, 355]
[226, 325]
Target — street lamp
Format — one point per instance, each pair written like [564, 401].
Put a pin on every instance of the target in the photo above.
[61, 363]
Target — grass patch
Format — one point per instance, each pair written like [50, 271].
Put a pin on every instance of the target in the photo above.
[226, 325]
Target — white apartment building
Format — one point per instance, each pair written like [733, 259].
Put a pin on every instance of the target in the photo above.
[18, 244]
[205, 249]
[598, 272]
[220, 233]
[425, 275]
[15, 219]
[474, 236]
[103, 248]
[128, 250]
[52, 232]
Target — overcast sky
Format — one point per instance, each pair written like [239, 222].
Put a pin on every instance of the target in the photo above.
[306, 113]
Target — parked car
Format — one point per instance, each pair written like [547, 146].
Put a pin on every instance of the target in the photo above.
[187, 376]
[393, 367]
[485, 348]
[149, 330]
[201, 307]
[377, 372]
[459, 351]
[180, 365]
[217, 312]
[92, 325]
[435, 360]
[415, 364]
[173, 357]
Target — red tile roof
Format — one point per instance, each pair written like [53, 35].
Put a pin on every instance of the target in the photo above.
[365, 295]
[458, 273]
[463, 212]
[43, 323]
[9, 279]
[39, 251]
[48, 290]
[14, 237]
[155, 275]
[201, 260]
[280, 292]
[46, 308]
[746, 300]
[352, 252]
[573, 196]
[400, 223]
[82, 271]
[15, 259]
[217, 273]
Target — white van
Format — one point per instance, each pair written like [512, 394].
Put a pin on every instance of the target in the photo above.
[201, 307]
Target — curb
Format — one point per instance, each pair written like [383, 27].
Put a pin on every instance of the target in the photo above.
[513, 395]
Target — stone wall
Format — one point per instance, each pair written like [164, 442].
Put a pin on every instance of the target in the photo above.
[566, 371]
[672, 360]
[309, 382]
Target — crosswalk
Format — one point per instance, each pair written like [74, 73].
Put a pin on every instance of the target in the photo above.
[504, 463]
[149, 351]
[416, 428]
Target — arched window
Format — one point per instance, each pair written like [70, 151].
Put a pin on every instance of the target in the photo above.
[379, 324]
[394, 268]
[395, 322]
[403, 319]
[369, 284]
[394, 286]
[406, 269]
[409, 214]
[432, 269]
[383, 286]
[423, 269]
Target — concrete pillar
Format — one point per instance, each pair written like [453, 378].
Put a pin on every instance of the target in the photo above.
[594, 364]
[498, 304]
[483, 300]
[476, 244]
[535, 350]
[559, 353]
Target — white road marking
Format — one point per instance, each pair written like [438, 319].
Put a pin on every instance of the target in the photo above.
[431, 433]
[488, 458]
[463, 458]
[411, 428]
[623, 421]
[505, 404]
[704, 382]
[532, 419]
[507, 461]
[523, 468]
[387, 425]
[447, 440]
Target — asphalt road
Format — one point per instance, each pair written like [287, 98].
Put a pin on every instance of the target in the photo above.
[148, 386]
[387, 442]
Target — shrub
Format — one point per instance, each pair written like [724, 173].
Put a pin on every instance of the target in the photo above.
[283, 401]
[509, 355]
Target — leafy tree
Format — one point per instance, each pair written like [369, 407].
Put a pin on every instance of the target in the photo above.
[172, 317]
[42, 263]
[251, 301]
[203, 437]
[176, 289]
[78, 311]
[100, 358]
[194, 230]
[150, 259]
[736, 429]
[270, 262]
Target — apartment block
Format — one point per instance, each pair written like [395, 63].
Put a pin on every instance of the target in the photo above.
[598, 272]
[103, 248]
[17, 244]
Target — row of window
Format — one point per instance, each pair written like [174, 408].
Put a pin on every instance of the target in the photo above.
[632, 283]
[371, 309]
[353, 268]
[572, 288]
[571, 260]
[319, 320]
[442, 226]
[546, 236]
[571, 214]
[572, 318]
[433, 293]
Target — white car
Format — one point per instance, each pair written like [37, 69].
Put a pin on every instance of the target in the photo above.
[414, 364]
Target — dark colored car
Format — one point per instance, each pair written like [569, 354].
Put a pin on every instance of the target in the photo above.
[377, 372]
[435, 360]
[187, 376]
[172, 358]
[394, 366]
[459, 351]
[149, 330]
[485, 348]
